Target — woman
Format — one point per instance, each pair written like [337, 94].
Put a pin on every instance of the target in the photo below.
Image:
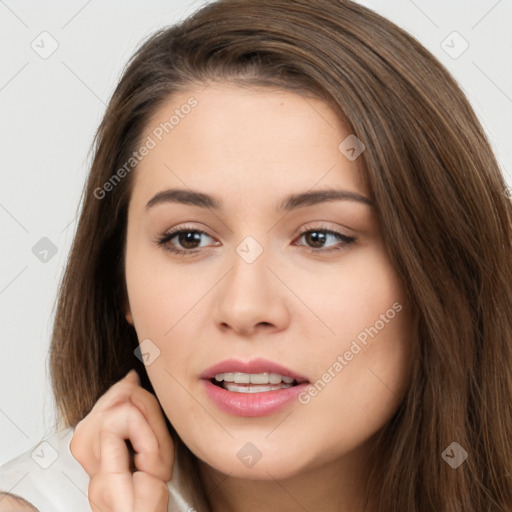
[295, 231]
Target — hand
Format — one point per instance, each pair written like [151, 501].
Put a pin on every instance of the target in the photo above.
[125, 411]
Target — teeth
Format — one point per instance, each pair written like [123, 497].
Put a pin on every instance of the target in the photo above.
[254, 389]
[273, 378]
[253, 378]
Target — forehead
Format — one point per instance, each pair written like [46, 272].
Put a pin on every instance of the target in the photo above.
[244, 140]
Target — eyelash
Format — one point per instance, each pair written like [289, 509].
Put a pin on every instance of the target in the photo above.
[163, 241]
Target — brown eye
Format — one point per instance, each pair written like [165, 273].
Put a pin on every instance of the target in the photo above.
[189, 239]
[315, 238]
[325, 240]
[183, 241]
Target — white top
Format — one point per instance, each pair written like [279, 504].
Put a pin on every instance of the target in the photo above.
[51, 479]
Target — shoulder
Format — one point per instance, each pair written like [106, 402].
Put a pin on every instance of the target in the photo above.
[13, 503]
[47, 477]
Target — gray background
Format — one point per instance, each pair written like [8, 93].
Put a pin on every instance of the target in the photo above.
[50, 108]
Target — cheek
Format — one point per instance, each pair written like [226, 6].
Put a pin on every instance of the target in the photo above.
[362, 366]
[361, 386]
[358, 299]
[162, 300]
[160, 294]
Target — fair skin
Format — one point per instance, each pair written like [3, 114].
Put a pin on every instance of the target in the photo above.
[300, 303]
[13, 503]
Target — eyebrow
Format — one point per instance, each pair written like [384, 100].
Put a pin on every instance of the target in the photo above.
[291, 202]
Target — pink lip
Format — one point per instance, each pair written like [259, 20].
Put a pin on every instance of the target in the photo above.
[259, 365]
[251, 404]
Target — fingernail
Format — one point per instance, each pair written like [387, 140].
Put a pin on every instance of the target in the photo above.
[131, 373]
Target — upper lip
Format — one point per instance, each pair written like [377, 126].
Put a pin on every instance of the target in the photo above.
[259, 365]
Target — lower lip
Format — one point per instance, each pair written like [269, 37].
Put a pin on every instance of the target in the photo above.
[252, 404]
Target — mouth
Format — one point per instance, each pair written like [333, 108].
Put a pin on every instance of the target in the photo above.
[256, 376]
[250, 389]
[239, 382]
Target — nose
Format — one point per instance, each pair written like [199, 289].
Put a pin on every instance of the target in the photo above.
[251, 299]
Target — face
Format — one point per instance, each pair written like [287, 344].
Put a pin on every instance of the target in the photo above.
[251, 264]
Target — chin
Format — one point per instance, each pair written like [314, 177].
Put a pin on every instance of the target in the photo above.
[249, 462]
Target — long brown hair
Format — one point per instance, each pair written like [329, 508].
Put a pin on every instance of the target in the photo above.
[441, 201]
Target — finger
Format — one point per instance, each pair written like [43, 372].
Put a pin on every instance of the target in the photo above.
[119, 392]
[96, 494]
[126, 422]
[149, 406]
[84, 445]
[129, 423]
[149, 456]
[114, 454]
[151, 494]
[149, 436]
[112, 488]
[162, 460]
[115, 468]
[129, 390]
[145, 401]
[156, 461]
[108, 493]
